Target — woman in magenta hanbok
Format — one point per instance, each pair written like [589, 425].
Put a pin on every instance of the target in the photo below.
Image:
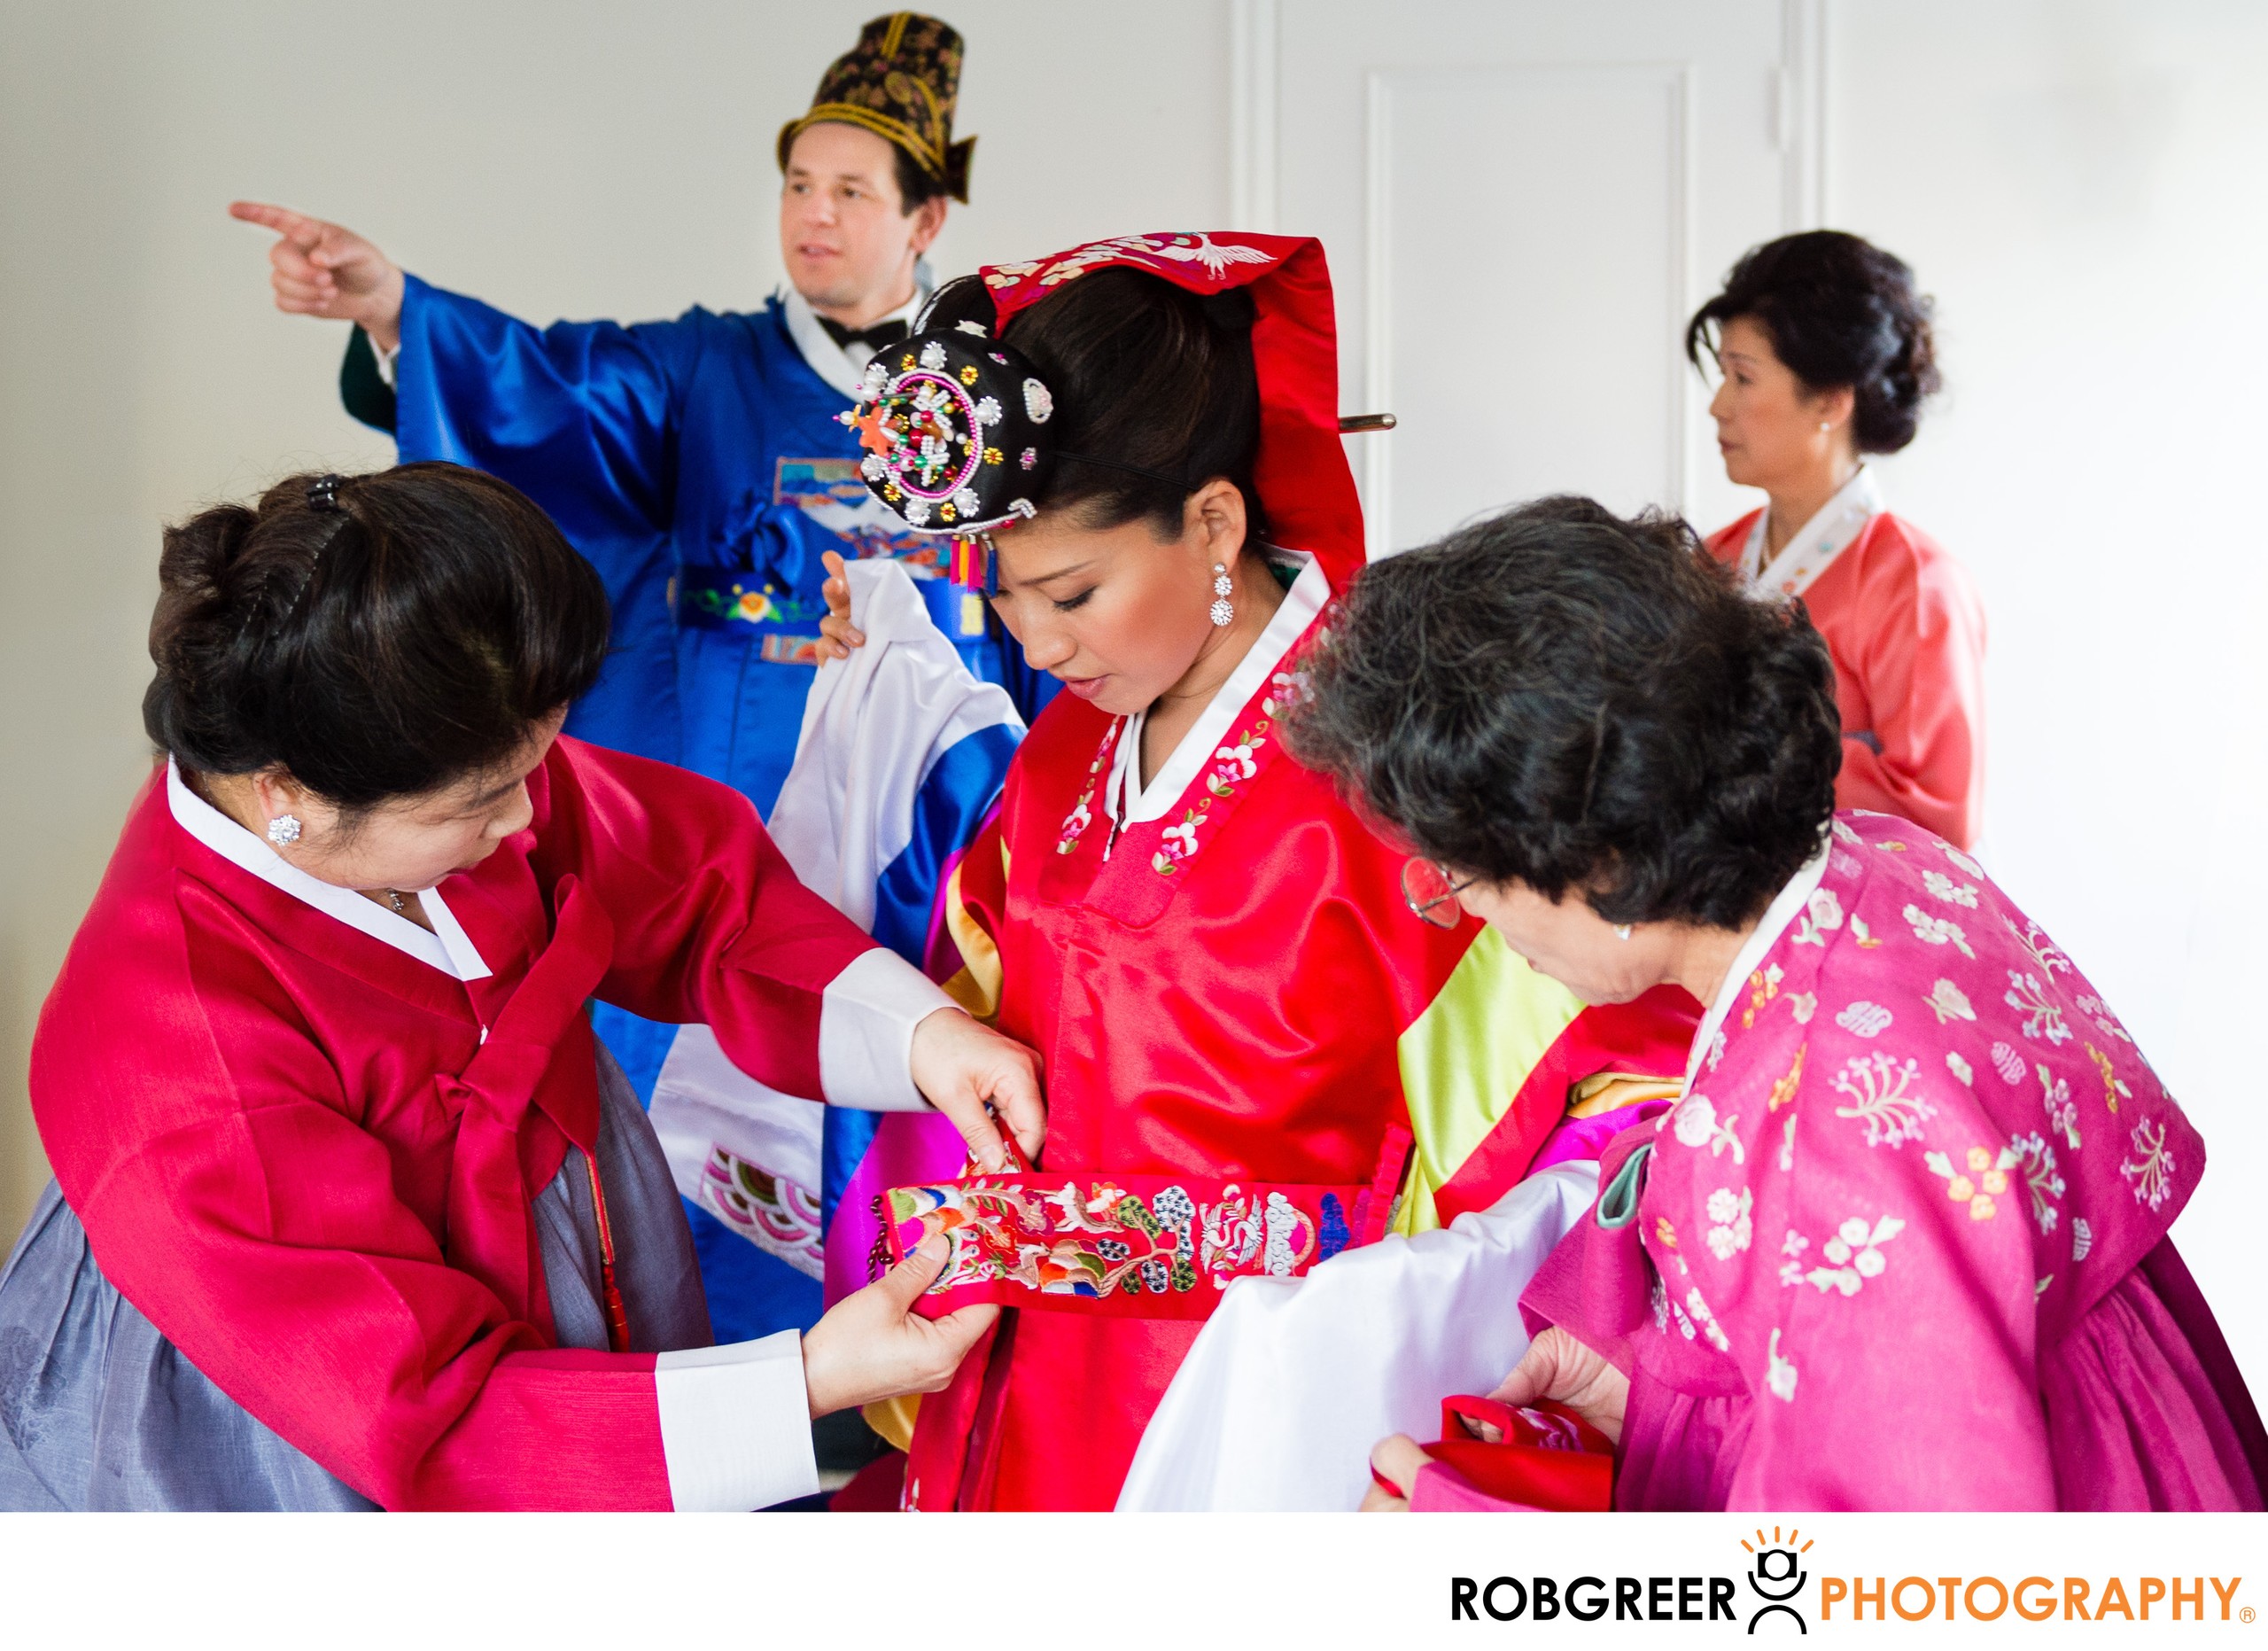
[1902, 1244]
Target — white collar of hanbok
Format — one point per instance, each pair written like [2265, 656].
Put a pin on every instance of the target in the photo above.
[1781, 912]
[823, 354]
[1814, 547]
[1132, 803]
[447, 948]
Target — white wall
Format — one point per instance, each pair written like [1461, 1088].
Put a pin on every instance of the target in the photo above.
[576, 159]
[2078, 183]
[2080, 186]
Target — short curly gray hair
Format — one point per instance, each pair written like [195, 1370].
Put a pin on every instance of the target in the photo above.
[1568, 698]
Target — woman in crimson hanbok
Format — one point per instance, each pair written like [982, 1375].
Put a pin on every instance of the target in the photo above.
[349, 1208]
[1258, 1053]
[1902, 1243]
[1826, 355]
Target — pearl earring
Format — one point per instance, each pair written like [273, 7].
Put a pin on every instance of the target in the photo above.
[1622, 932]
[1825, 425]
[1223, 611]
[283, 830]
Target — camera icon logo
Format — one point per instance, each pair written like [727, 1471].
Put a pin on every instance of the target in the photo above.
[1778, 1577]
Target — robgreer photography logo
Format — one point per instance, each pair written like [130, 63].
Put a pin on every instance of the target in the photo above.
[2032, 1598]
[1770, 1595]
[1774, 1580]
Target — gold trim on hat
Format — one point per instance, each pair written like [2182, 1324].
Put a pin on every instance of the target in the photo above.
[881, 125]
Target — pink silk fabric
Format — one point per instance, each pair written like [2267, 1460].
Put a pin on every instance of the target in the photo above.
[1903, 1244]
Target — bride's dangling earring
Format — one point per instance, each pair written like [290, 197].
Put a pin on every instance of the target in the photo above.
[1224, 610]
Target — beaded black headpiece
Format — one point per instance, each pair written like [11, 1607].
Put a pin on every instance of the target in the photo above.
[952, 423]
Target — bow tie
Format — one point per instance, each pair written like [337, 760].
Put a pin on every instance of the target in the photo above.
[881, 336]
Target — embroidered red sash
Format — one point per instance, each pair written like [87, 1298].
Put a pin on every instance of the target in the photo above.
[1130, 1246]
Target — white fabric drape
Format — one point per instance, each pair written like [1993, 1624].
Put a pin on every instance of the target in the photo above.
[1291, 1384]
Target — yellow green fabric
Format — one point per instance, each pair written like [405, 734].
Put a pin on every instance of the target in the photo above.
[1465, 1059]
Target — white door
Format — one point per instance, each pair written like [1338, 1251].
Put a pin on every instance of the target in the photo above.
[1522, 201]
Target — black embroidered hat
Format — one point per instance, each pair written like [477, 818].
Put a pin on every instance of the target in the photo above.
[951, 422]
[900, 81]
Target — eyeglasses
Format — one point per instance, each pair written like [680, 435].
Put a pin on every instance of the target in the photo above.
[1431, 891]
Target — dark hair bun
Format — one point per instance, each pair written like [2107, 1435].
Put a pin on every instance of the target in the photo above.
[199, 553]
[1841, 312]
[382, 645]
[1151, 375]
[1568, 699]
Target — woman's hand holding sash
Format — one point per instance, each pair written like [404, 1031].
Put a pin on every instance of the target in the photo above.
[873, 1345]
[973, 1075]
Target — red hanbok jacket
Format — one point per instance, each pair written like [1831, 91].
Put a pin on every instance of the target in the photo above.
[307, 1157]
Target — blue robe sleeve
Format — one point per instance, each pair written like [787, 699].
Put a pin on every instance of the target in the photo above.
[582, 417]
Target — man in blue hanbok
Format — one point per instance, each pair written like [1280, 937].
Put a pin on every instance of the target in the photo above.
[699, 463]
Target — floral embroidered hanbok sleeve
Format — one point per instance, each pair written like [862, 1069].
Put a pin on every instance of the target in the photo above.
[1893, 1356]
[1943, 1151]
[1901, 1244]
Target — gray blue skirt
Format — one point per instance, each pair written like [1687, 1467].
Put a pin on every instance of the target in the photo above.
[98, 1410]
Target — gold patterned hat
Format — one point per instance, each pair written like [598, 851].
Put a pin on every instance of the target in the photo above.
[899, 81]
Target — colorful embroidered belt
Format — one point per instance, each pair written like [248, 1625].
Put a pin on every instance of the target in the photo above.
[747, 604]
[729, 599]
[1129, 1246]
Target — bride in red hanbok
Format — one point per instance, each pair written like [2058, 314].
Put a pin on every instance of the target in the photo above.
[1259, 1051]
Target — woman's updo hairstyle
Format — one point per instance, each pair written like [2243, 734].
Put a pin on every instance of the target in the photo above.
[1565, 698]
[1840, 311]
[381, 637]
[1143, 373]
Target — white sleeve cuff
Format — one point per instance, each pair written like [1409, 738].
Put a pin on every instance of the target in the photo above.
[385, 360]
[736, 1425]
[866, 1032]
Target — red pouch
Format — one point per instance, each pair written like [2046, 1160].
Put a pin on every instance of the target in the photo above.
[1549, 1460]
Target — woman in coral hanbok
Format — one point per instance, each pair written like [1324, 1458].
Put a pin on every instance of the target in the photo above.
[1827, 356]
[1902, 1244]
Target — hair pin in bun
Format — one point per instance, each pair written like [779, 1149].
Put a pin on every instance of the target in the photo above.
[322, 498]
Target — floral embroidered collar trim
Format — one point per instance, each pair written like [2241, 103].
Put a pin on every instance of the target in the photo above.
[1815, 545]
[1233, 764]
[1785, 905]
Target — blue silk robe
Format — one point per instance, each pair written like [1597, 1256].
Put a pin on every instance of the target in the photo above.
[700, 465]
